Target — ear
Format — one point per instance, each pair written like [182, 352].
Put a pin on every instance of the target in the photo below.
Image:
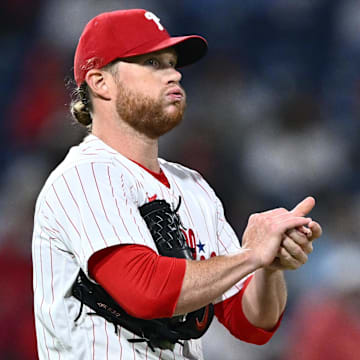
[100, 83]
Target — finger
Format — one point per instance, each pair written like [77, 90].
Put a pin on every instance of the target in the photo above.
[288, 222]
[297, 236]
[304, 207]
[308, 248]
[275, 212]
[288, 261]
[294, 250]
[301, 239]
[305, 230]
[315, 229]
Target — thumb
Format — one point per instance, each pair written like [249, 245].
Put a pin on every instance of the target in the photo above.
[304, 207]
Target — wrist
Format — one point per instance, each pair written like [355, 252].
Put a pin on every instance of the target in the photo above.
[269, 274]
[249, 257]
[271, 270]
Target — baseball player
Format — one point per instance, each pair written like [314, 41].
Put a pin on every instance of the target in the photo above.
[106, 216]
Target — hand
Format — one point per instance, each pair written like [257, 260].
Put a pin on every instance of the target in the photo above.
[297, 243]
[316, 230]
[302, 209]
[265, 231]
[293, 252]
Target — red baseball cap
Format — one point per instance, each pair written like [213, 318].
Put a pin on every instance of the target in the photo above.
[125, 33]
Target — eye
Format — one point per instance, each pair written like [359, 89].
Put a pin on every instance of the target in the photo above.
[172, 64]
[153, 62]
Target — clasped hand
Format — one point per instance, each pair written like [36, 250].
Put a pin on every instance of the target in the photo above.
[282, 239]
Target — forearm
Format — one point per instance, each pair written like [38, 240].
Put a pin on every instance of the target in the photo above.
[165, 283]
[204, 281]
[265, 298]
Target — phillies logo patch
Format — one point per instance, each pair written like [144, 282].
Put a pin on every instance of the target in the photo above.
[150, 16]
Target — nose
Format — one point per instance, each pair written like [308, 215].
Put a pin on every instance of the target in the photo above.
[173, 76]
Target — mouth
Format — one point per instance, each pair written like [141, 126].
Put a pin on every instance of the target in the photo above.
[175, 94]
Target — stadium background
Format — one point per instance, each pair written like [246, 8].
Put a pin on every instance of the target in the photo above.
[273, 116]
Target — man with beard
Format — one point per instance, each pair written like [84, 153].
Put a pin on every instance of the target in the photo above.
[87, 215]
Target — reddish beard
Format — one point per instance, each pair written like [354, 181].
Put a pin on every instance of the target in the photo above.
[147, 115]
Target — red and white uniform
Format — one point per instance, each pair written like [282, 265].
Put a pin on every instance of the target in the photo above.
[90, 202]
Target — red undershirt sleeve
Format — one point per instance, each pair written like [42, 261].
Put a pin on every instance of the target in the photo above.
[230, 313]
[143, 283]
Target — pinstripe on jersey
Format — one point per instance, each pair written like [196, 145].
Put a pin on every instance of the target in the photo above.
[90, 202]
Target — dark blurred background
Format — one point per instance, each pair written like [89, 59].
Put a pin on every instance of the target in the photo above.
[273, 116]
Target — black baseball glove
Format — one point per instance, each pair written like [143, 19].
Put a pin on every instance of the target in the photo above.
[165, 227]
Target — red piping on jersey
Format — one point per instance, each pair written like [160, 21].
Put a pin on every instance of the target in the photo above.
[159, 176]
[230, 313]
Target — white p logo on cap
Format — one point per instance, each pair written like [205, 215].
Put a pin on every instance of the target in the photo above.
[150, 16]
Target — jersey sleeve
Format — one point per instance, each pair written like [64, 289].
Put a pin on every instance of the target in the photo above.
[94, 207]
[127, 271]
[230, 314]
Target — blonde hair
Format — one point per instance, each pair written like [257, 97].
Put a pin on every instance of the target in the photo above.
[81, 106]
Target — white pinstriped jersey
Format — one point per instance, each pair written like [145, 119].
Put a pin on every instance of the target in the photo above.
[88, 203]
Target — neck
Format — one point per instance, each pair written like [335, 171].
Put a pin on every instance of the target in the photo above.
[131, 144]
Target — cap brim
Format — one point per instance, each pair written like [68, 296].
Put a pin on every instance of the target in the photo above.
[189, 48]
